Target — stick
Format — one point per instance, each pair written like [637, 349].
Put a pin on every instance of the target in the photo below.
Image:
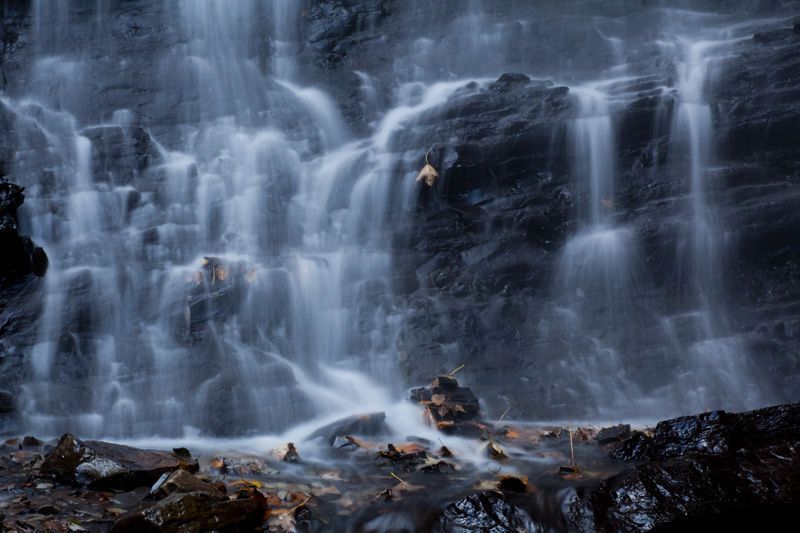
[296, 507]
[504, 414]
[396, 477]
[571, 449]
[454, 371]
[429, 151]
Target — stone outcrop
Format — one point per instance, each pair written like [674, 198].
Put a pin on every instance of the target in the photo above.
[103, 465]
[20, 256]
[450, 408]
[197, 512]
[700, 467]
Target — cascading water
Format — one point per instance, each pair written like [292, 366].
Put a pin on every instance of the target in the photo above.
[221, 248]
[261, 216]
[715, 368]
[597, 271]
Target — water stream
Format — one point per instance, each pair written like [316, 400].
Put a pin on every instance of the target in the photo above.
[236, 281]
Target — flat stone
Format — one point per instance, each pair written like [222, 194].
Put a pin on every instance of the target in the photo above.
[102, 465]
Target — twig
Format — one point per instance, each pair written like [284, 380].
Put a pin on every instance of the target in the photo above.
[396, 477]
[429, 151]
[504, 414]
[454, 371]
[571, 449]
[298, 506]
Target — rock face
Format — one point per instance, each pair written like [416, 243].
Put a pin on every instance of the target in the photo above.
[110, 466]
[20, 256]
[486, 244]
[714, 433]
[475, 260]
[704, 466]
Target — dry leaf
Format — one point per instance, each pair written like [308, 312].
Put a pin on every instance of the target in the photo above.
[494, 451]
[429, 174]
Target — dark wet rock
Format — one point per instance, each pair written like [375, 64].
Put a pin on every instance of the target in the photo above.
[484, 511]
[638, 447]
[182, 452]
[332, 23]
[702, 466]
[103, 465]
[6, 403]
[691, 487]
[198, 512]
[704, 433]
[238, 466]
[406, 461]
[716, 432]
[31, 442]
[453, 409]
[367, 425]
[121, 154]
[20, 256]
[181, 481]
[614, 434]
[439, 467]
[291, 455]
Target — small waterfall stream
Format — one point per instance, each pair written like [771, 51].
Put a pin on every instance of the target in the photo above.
[265, 217]
[222, 256]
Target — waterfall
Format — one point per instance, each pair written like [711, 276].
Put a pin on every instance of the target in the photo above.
[714, 366]
[240, 281]
[225, 190]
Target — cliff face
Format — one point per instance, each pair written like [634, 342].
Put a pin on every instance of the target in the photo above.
[478, 260]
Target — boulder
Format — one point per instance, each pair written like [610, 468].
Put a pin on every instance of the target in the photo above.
[181, 481]
[404, 460]
[716, 432]
[103, 465]
[198, 512]
[613, 435]
[692, 487]
[451, 408]
[484, 511]
[705, 433]
[368, 425]
[636, 448]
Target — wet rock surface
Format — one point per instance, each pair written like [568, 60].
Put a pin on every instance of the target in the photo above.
[370, 425]
[484, 511]
[421, 486]
[20, 256]
[101, 465]
[198, 512]
[475, 260]
[699, 466]
[452, 409]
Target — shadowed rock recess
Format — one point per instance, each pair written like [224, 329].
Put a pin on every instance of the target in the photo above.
[211, 236]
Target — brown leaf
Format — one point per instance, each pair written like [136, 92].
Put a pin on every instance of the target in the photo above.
[429, 174]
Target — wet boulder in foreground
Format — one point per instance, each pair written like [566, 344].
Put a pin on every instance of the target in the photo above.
[703, 469]
[715, 432]
[181, 481]
[692, 488]
[198, 512]
[484, 511]
[103, 465]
